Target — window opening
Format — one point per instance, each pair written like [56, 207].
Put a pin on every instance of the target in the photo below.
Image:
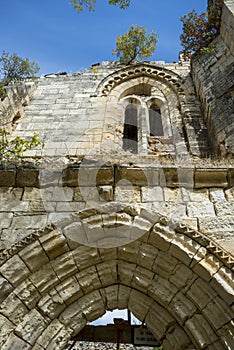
[155, 121]
[130, 134]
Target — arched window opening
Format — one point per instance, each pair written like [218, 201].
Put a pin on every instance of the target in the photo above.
[155, 121]
[118, 327]
[130, 133]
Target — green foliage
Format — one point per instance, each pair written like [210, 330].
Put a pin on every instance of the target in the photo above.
[3, 93]
[14, 68]
[135, 45]
[199, 30]
[12, 150]
[81, 5]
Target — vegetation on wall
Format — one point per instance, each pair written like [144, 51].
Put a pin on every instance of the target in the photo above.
[199, 30]
[11, 150]
[135, 45]
[14, 68]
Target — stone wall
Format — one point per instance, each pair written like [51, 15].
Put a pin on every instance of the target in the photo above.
[169, 276]
[85, 112]
[12, 107]
[213, 75]
[86, 226]
[201, 197]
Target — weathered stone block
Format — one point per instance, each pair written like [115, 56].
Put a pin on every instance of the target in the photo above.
[125, 272]
[75, 234]
[200, 209]
[92, 306]
[201, 331]
[14, 342]
[135, 175]
[44, 279]
[183, 248]
[146, 255]
[207, 267]
[27, 177]
[5, 220]
[106, 193]
[141, 279]
[6, 327]
[31, 326]
[159, 320]
[161, 290]
[7, 177]
[110, 295]
[27, 293]
[29, 222]
[14, 206]
[231, 177]
[34, 256]
[211, 178]
[89, 280]
[182, 308]
[164, 264]
[53, 328]
[64, 265]
[13, 309]
[54, 244]
[5, 288]
[139, 304]
[223, 282]
[217, 313]
[181, 276]
[123, 296]
[69, 290]
[217, 195]
[226, 334]
[177, 340]
[160, 237]
[88, 176]
[127, 194]
[152, 194]
[201, 293]
[14, 270]
[199, 195]
[218, 226]
[51, 304]
[129, 252]
[85, 257]
[107, 273]
[73, 317]
[32, 193]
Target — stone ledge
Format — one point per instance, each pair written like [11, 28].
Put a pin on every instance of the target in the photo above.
[165, 176]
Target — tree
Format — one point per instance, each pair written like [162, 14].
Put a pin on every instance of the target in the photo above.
[80, 5]
[16, 68]
[199, 30]
[135, 45]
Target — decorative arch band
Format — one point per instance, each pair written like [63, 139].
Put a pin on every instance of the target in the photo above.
[141, 70]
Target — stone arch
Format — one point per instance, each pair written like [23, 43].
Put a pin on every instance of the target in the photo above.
[146, 81]
[175, 279]
[140, 70]
[177, 91]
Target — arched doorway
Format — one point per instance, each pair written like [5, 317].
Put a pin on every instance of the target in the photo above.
[174, 279]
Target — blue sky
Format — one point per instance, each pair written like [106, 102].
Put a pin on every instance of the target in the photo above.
[59, 39]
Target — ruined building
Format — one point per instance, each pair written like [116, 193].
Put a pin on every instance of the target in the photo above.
[129, 205]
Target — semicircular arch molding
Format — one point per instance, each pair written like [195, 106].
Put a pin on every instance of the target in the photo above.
[173, 278]
[146, 71]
